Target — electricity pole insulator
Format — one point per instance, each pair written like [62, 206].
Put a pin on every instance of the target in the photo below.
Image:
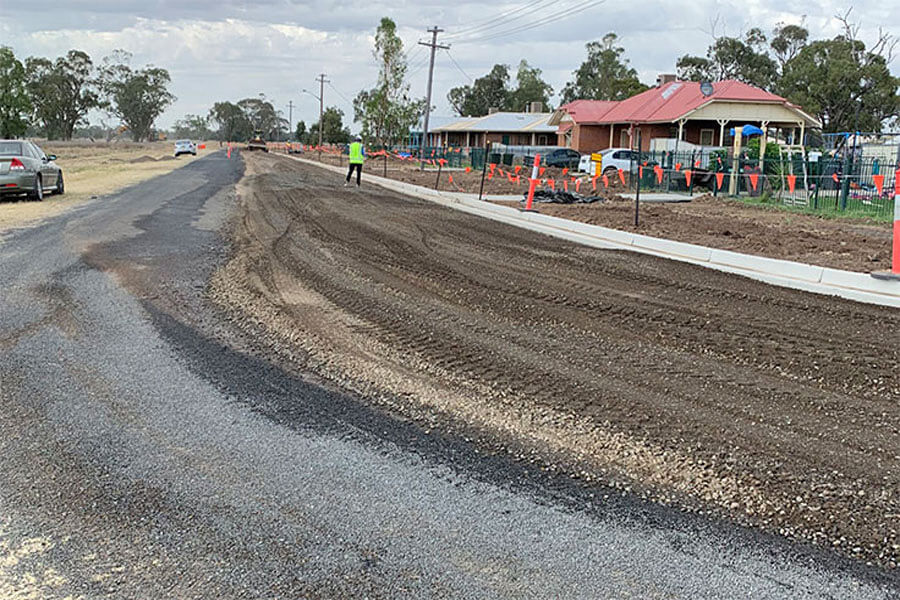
[434, 31]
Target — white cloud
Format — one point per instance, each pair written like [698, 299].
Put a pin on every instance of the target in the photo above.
[229, 49]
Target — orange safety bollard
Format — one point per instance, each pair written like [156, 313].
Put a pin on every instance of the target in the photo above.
[532, 182]
[894, 273]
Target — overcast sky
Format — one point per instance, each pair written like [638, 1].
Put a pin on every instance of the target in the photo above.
[227, 50]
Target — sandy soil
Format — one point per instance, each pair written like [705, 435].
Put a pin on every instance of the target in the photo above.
[841, 243]
[92, 170]
[715, 393]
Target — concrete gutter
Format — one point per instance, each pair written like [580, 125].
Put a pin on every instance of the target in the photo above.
[860, 287]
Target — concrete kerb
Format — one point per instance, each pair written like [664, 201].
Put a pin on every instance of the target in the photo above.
[860, 287]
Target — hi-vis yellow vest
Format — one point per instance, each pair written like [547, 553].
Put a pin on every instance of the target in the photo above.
[356, 154]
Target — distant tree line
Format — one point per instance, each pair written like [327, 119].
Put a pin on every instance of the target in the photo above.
[53, 97]
[844, 84]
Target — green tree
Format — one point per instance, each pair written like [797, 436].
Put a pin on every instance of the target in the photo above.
[136, 96]
[744, 59]
[604, 75]
[530, 87]
[62, 92]
[333, 130]
[262, 115]
[14, 103]
[485, 93]
[845, 86]
[387, 112]
[300, 133]
[787, 41]
[231, 122]
[194, 127]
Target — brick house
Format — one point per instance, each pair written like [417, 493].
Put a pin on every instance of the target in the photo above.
[677, 110]
[511, 129]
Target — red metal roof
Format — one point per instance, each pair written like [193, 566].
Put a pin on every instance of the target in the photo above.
[589, 111]
[665, 104]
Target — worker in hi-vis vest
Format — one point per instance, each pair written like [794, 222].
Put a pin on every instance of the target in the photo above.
[357, 158]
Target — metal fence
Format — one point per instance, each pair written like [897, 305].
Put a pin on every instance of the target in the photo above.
[847, 182]
[820, 182]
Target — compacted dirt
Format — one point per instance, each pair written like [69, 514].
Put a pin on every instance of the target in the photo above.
[853, 244]
[713, 392]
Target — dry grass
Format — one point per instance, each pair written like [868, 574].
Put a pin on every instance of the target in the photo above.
[96, 169]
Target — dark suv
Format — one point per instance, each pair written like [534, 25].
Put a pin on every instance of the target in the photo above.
[561, 157]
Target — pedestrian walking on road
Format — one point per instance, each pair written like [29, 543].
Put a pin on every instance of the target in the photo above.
[357, 158]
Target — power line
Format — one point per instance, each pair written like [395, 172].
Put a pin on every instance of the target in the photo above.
[507, 18]
[461, 70]
[557, 17]
[492, 20]
[338, 92]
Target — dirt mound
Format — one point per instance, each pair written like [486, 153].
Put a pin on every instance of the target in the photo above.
[774, 407]
[142, 159]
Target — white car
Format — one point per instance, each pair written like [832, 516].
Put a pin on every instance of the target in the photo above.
[185, 147]
[613, 160]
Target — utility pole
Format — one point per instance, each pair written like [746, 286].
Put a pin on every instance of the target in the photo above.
[434, 31]
[322, 81]
[290, 119]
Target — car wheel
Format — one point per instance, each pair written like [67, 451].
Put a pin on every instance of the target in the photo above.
[38, 192]
[610, 171]
[60, 185]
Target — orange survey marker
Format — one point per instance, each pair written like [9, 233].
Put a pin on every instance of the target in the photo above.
[659, 173]
[677, 166]
[792, 182]
[622, 176]
[878, 180]
[720, 177]
[754, 180]
[687, 177]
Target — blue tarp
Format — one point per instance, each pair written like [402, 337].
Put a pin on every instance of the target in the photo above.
[747, 130]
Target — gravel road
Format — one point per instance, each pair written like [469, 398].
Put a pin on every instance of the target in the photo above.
[152, 447]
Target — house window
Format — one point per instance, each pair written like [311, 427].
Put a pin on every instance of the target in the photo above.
[707, 137]
[542, 140]
[624, 139]
[505, 141]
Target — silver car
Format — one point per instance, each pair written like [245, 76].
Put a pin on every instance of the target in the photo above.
[26, 170]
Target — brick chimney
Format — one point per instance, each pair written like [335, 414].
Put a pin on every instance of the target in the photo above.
[664, 78]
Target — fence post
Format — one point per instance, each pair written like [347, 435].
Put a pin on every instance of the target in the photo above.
[637, 194]
[487, 149]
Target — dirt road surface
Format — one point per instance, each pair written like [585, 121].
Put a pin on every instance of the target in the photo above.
[152, 446]
[694, 387]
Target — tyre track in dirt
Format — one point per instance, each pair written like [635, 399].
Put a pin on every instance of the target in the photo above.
[776, 407]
